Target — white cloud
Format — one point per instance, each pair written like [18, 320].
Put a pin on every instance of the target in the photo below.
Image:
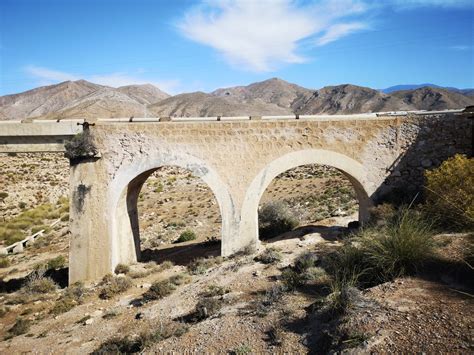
[340, 30]
[261, 34]
[46, 76]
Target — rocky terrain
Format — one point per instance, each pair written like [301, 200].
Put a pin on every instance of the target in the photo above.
[81, 99]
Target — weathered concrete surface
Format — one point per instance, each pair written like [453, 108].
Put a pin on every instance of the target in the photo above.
[238, 159]
[37, 136]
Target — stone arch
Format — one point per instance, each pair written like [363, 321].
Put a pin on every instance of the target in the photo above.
[123, 196]
[352, 169]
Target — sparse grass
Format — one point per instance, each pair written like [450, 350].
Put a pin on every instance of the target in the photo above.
[114, 286]
[269, 256]
[186, 236]
[400, 247]
[17, 228]
[122, 269]
[275, 218]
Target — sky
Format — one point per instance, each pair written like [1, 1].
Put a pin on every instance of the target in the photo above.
[184, 46]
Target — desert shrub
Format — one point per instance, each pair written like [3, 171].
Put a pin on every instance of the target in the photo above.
[291, 279]
[339, 300]
[4, 261]
[36, 283]
[165, 265]
[269, 256]
[450, 192]
[115, 286]
[186, 236]
[273, 295]
[275, 218]
[159, 290]
[164, 288]
[21, 326]
[382, 213]
[80, 146]
[200, 265]
[58, 262]
[22, 205]
[65, 217]
[63, 305]
[214, 291]
[135, 344]
[400, 247]
[122, 269]
[242, 349]
[207, 307]
[305, 261]
[3, 195]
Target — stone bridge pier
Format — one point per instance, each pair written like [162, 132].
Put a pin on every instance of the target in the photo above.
[237, 159]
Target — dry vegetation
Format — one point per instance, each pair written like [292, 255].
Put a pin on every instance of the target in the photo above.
[400, 284]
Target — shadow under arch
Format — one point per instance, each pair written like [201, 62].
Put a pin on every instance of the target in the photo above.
[123, 195]
[352, 169]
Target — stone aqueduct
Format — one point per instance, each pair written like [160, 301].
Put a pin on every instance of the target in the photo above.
[238, 158]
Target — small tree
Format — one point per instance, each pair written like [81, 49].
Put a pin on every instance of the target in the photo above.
[450, 192]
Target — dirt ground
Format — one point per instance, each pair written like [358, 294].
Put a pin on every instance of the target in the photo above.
[430, 313]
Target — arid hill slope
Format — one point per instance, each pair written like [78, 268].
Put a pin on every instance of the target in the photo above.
[73, 99]
[428, 98]
[79, 99]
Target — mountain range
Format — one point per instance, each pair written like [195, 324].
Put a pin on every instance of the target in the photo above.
[82, 99]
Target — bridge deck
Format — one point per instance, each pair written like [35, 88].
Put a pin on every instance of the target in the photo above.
[50, 135]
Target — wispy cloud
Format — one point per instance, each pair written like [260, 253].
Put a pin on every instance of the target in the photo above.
[460, 48]
[259, 35]
[47, 76]
[335, 32]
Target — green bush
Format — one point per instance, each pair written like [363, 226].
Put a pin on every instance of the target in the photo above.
[186, 236]
[275, 218]
[450, 192]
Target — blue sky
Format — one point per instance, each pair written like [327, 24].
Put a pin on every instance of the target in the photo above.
[183, 46]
